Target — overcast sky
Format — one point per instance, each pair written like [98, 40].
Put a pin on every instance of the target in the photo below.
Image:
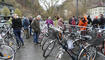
[49, 1]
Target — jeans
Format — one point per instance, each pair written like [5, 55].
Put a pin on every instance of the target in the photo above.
[102, 26]
[17, 33]
[26, 32]
[30, 30]
[35, 36]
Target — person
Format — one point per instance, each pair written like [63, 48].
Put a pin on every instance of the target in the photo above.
[56, 20]
[102, 21]
[72, 21]
[83, 22]
[17, 25]
[36, 27]
[30, 20]
[61, 23]
[49, 21]
[89, 20]
[95, 22]
[25, 24]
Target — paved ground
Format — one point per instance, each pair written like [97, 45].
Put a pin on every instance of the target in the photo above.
[29, 52]
[34, 52]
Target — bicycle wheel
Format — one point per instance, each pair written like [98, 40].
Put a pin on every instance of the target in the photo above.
[41, 36]
[47, 42]
[59, 54]
[8, 52]
[88, 53]
[49, 49]
[44, 40]
[13, 44]
[76, 50]
[10, 41]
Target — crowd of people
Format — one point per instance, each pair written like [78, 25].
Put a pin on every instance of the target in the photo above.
[97, 22]
[29, 23]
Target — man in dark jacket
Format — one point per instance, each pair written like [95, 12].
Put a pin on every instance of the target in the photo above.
[89, 20]
[102, 21]
[95, 22]
[36, 27]
[17, 25]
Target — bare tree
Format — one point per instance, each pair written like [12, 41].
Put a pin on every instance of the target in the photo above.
[50, 6]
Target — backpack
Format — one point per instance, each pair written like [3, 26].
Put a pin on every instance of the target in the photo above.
[26, 22]
[73, 22]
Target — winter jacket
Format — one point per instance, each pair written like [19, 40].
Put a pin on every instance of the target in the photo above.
[49, 21]
[35, 26]
[30, 20]
[16, 23]
[61, 23]
[55, 22]
[102, 21]
[95, 22]
[81, 23]
[72, 21]
[25, 23]
[89, 20]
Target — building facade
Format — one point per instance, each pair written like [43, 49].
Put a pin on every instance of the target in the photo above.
[96, 11]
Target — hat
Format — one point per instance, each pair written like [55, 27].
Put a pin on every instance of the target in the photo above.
[96, 17]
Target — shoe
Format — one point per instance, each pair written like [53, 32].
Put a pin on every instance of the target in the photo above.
[38, 43]
[27, 37]
[18, 47]
[35, 43]
[22, 44]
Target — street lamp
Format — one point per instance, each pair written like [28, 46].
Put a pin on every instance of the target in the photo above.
[77, 9]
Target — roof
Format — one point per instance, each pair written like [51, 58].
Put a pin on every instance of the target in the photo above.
[6, 4]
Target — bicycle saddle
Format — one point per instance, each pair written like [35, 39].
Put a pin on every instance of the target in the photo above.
[87, 37]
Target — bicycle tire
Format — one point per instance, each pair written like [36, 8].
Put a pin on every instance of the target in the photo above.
[43, 40]
[59, 55]
[44, 52]
[8, 57]
[84, 52]
[41, 36]
[12, 44]
[45, 44]
[76, 48]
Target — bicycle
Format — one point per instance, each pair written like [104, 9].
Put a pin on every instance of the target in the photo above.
[6, 52]
[75, 43]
